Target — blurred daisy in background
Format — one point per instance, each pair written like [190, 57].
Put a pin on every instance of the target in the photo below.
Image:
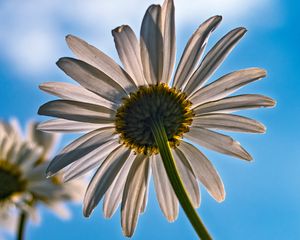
[138, 120]
[23, 186]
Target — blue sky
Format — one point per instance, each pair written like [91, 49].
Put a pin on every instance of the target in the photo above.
[262, 197]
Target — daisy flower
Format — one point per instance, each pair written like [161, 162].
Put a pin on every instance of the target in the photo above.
[139, 120]
[23, 162]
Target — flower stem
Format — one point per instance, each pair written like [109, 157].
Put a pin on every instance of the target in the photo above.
[21, 227]
[162, 142]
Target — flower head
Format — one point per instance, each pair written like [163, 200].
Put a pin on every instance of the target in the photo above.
[23, 162]
[121, 108]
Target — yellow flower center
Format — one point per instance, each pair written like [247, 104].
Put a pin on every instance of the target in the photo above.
[135, 117]
[10, 180]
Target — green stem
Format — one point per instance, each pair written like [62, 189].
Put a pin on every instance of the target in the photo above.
[162, 142]
[21, 227]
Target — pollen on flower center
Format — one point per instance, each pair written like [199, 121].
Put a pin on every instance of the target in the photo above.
[148, 104]
[10, 179]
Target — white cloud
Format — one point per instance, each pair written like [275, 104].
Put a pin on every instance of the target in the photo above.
[32, 32]
[32, 52]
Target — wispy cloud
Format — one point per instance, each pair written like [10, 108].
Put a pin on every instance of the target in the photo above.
[32, 31]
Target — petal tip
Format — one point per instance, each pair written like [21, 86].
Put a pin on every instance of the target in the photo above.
[59, 62]
[86, 211]
[119, 29]
[262, 128]
[152, 7]
[222, 195]
[264, 72]
[248, 157]
[217, 18]
[41, 110]
[46, 86]
[127, 233]
[49, 174]
[171, 218]
[106, 213]
[64, 60]
[69, 37]
[273, 102]
[220, 198]
[41, 86]
[240, 31]
[269, 102]
[214, 21]
[245, 155]
[259, 72]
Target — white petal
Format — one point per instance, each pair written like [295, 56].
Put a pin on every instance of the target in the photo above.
[169, 39]
[93, 79]
[76, 93]
[217, 142]
[75, 189]
[128, 49]
[113, 195]
[228, 122]
[214, 59]
[37, 173]
[77, 111]
[151, 42]
[235, 103]
[28, 155]
[60, 210]
[44, 189]
[226, 85]
[133, 195]
[15, 127]
[63, 125]
[79, 148]
[103, 178]
[10, 149]
[194, 50]
[90, 161]
[188, 177]
[145, 199]
[12, 128]
[35, 215]
[8, 221]
[45, 140]
[204, 170]
[98, 59]
[165, 194]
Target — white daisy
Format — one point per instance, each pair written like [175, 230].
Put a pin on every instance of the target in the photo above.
[135, 114]
[23, 163]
